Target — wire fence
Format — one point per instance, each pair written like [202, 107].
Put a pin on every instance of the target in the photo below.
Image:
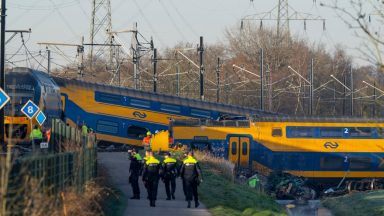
[71, 165]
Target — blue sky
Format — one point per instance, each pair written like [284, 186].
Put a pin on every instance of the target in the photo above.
[168, 21]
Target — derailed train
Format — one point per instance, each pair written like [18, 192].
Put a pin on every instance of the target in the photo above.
[116, 115]
[325, 151]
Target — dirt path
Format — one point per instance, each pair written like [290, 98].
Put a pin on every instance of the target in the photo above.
[117, 165]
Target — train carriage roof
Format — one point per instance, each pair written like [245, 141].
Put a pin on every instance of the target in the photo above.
[169, 99]
[342, 119]
[246, 123]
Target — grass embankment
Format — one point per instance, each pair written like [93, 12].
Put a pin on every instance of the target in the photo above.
[356, 204]
[223, 197]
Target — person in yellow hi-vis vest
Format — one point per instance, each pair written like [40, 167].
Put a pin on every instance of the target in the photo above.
[84, 133]
[36, 137]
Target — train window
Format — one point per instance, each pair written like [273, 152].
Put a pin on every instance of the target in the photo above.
[331, 163]
[380, 132]
[107, 98]
[201, 146]
[277, 132]
[234, 146]
[298, 132]
[136, 132]
[359, 132]
[141, 103]
[331, 132]
[360, 163]
[170, 108]
[107, 127]
[244, 148]
[200, 113]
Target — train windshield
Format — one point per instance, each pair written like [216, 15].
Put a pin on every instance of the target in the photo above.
[18, 100]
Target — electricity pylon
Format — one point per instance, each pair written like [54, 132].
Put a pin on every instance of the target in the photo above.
[100, 32]
[282, 13]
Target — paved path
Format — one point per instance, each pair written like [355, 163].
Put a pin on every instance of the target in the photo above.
[117, 165]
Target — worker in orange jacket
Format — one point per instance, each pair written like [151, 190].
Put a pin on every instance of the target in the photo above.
[147, 140]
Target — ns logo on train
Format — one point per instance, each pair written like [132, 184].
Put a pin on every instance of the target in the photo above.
[331, 145]
[139, 114]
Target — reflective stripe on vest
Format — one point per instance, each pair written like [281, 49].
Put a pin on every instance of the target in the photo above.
[152, 160]
[190, 160]
[169, 160]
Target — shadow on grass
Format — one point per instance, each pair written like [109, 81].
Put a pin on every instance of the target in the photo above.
[356, 204]
[222, 197]
[115, 201]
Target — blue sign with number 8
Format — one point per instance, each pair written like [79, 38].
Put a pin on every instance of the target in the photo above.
[30, 109]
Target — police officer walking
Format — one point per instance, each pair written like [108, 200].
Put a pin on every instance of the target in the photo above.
[151, 177]
[169, 175]
[135, 170]
[191, 175]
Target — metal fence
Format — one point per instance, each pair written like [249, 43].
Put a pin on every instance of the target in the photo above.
[56, 170]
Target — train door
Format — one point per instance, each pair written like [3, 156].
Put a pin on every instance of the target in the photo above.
[239, 149]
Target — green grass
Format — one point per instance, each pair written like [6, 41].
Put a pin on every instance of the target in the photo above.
[356, 204]
[222, 197]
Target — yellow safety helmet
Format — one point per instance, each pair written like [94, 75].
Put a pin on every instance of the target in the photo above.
[149, 133]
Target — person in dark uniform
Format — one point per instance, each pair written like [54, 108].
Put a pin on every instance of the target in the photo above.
[191, 175]
[146, 156]
[169, 175]
[151, 177]
[135, 170]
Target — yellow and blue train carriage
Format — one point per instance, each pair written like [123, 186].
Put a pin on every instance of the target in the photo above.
[23, 84]
[123, 115]
[318, 149]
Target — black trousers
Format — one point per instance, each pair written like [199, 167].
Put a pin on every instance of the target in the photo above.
[134, 180]
[152, 189]
[170, 186]
[191, 190]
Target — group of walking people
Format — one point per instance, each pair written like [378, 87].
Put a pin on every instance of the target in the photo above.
[152, 171]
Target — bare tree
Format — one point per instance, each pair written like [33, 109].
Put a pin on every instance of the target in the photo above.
[365, 17]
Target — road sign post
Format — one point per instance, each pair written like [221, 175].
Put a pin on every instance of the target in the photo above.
[4, 99]
[40, 118]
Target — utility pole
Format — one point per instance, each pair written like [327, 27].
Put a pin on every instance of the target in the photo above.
[2, 69]
[80, 53]
[352, 89]
[374, 99]
[270, 90]
[311, 89]
[218, 80]
[154, 61]
[261, 78]
[135, 56]
[49, 61]
[201, 54]
[344, 93]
